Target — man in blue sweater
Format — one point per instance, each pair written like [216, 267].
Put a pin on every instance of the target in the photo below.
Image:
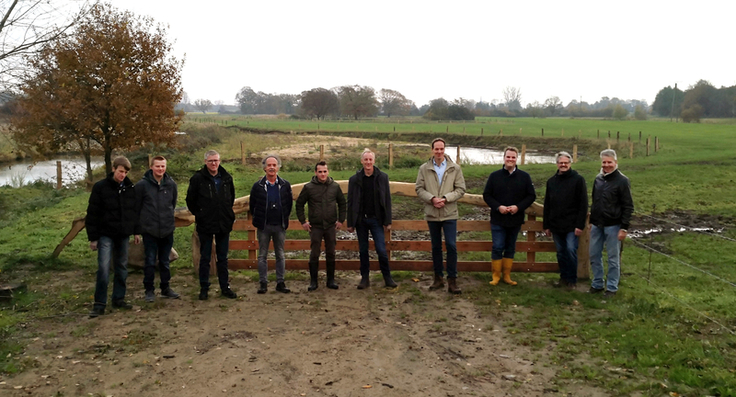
[509, 192]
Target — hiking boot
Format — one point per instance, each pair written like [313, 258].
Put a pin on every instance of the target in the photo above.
[169, 293]
[439, 283]
[281, 287]
[150, 296]
[228, 293]
[313, 284]
[263, 288]
[365, 282]
[203, 294]
[389, 282]
[609, 294]
[595, 290]
[96, 312]
[452, 286]
[331, 284]
[121, 304]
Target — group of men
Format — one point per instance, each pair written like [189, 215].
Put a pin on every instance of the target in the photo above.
[118, 209]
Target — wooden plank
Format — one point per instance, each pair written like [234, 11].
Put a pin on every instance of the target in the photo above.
[398, 245]
[405, 265]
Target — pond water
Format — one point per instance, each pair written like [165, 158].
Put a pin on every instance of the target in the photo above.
[73, 169]
[471, 155]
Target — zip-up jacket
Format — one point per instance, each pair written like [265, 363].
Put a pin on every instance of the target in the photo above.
[156, 204]
[612, 202]
[565, 202]
[452, 188]
[112, 209]
[212, 209]
[259, 202]
[321, 199]
[382, 197]
[505, 188]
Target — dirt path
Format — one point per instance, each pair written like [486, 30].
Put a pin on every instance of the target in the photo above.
[406, 342]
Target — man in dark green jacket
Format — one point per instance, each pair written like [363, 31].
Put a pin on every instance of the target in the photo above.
[322, 194]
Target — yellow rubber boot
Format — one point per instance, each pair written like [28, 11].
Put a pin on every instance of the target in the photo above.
[508, 263]
[496, 266]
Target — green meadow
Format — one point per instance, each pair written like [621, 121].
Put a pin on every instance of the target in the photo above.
[671, 329]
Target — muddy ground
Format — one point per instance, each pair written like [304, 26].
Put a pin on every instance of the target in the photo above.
[378, 342]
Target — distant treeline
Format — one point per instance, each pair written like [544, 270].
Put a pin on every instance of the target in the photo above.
[700, 100]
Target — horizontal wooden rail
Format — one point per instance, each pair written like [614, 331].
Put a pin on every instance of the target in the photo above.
[411, 265]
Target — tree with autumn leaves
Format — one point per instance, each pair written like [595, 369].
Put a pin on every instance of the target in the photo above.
[111, 85]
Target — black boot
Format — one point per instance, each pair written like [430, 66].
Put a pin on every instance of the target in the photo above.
[313, 273]
[263, 288]
[331, 277]
[365, 282]
[388, 281]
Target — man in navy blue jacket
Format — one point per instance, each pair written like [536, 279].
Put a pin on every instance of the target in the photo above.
[271, 201]
[509, 192]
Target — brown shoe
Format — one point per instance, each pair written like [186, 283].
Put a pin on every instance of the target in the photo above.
[452, 286]
[439, 283]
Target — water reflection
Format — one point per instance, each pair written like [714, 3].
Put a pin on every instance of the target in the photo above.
[73, 169]
[471, 155]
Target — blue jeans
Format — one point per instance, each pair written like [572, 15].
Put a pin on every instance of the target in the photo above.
[362, 227]
[153, 247]
[222, 245]
[265, 235]
[504, 241]
[111, 252]
[607, 235]
[436, 229]
[567, 255]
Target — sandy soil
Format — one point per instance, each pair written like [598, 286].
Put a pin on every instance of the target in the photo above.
[378, 342]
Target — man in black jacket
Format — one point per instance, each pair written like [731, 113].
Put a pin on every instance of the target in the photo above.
[369, 210]
[270, 206]
[111, 219]
[210, 199]
[565, 210]
[157, 194]
[326, 214]
[509, 192]
[610, 216]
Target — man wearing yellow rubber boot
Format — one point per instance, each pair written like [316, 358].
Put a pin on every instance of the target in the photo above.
[509, 192]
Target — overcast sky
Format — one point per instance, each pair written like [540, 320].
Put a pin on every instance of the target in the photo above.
[430, 49]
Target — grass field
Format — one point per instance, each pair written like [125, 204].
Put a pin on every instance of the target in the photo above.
[670, 330]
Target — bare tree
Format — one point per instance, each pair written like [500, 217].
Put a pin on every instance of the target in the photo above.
[27, 25]
[202, 105]
[512, 97]
[394, 102]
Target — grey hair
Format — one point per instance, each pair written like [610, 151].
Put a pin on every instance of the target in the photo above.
[211, 153]
[274, 156]
[563, 154]
[367, 151]
[609, 153]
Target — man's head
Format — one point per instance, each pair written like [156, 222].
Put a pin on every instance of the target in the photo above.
[609, 161]
[321, 171]
[438, 150]
[564, 161]
[272, 165]
[510, 155]
[368, 159]
[120, 168]
[212, 160]
[158, 166]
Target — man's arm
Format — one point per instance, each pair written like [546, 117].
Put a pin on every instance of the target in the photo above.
[459, 191]
[488, 195]
[299, 206]
[546, 210]
[341, 205]
[351, 193]
[191, 198]
[420, 188]
[627, 203]
[530, 196]
[582, 195]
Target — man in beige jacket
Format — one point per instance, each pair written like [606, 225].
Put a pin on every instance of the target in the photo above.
[440, 184]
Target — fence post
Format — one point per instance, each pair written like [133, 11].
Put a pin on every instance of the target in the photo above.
[631, 150]
[458, 155]
[599, 134]
[639, 136]
[618, 134]
[519, 131]
[447, 129]
[562, 133]
[574, 153]
[321, 152]
[542, 131]
[647, 146]
[609, 134]
[500, 133]
[481, 131]
[58, 174]
[242, 153]
[584, 253]
[523, 153]
[391, 155]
